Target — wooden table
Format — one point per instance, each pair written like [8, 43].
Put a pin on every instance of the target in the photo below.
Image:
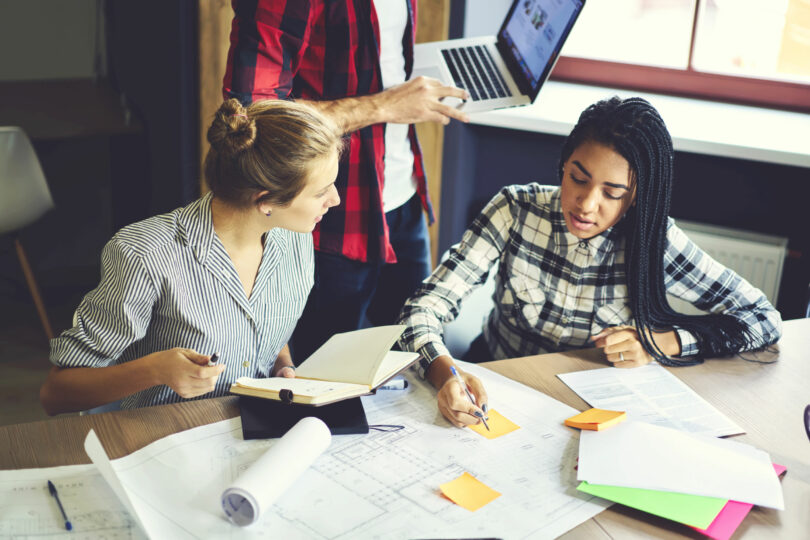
[767, 400]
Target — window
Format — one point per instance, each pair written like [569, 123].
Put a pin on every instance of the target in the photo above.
[746, 51]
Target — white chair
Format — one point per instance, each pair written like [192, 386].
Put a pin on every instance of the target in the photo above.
[475, 308]
[24, 198]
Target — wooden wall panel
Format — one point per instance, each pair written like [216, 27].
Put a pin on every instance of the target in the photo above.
[432, 25]
[214, 26]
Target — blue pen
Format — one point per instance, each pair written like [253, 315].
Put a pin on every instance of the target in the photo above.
[467, 391]
[214, 359]
[55, 495]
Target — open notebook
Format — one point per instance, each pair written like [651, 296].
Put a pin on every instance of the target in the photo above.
[348, 365]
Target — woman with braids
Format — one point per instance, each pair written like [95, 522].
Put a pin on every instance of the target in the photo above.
[588, 263]
[227, 274]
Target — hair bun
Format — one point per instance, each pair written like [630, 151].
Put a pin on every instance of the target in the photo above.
[232, 131]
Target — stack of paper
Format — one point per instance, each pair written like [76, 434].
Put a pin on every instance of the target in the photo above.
[693, 479]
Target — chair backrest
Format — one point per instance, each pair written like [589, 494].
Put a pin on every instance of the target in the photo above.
[475, 308]
[24, 193]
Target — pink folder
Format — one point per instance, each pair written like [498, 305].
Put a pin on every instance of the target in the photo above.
[732, 515]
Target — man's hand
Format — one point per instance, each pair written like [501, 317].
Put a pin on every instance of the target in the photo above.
[185, 371]
[417, 100]
[420, 100]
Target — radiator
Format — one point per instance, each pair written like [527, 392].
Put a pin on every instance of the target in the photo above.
[756, 257]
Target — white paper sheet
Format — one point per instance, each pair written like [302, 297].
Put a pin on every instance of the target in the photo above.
[640, 455]
[380, 485]
[650, 394]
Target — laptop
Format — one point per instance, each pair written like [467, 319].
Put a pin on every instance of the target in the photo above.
[506, 70]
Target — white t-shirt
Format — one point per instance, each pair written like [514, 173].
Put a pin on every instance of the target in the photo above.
[400, 185]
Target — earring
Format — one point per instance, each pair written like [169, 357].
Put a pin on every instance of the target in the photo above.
[268, 213]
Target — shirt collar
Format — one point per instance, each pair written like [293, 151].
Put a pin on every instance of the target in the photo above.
[196, 227]
[598, 246]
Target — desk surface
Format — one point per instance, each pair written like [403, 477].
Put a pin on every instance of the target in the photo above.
[767, 400]
[699, 126]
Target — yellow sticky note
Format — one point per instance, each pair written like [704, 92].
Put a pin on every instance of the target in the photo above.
[596, 419]
[498, 425]
[467, 492]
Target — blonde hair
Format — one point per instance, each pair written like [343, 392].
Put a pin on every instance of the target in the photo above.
[266, 146]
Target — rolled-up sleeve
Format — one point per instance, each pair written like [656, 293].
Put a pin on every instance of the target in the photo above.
[112, 316]
[268, 40]
[692, 275]
[467, 266]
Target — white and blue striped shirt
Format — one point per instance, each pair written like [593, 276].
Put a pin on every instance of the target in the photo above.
[168, 282]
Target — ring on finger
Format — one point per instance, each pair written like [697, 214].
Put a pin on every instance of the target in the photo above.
[621, 356]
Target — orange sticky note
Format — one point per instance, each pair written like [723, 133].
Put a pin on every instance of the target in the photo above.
[596, 419]
[468, 492]
[498, 425]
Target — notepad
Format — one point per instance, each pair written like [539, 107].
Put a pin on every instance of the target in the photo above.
[498, 425]
[348, 365]
[468, 492]
[596, 419]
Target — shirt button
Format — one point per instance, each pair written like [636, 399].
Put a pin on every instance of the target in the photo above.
[246, 363]
[583, 244]
[564, 320]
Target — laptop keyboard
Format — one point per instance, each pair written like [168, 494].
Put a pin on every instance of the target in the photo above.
[473, 69]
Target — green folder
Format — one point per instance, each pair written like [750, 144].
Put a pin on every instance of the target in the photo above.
[695, 510]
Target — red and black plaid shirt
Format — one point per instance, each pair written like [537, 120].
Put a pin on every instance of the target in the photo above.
[324, 50]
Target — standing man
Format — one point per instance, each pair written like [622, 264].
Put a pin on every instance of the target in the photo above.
[351, 59]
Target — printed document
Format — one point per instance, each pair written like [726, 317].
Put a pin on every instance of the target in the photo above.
[650, 394]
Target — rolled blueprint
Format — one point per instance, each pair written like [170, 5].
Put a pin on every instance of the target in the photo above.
[275, 471]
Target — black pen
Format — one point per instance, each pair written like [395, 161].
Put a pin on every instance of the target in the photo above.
[214, 358]
[52, 490]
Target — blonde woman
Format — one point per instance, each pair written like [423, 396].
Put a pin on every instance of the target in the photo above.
[228, 274]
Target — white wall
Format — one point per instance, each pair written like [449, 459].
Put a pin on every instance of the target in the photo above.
[49, 39]
[484, 17]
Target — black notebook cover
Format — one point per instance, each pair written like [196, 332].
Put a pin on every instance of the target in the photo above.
[268, 418]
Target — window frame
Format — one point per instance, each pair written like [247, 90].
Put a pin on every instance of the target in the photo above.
[685, 82]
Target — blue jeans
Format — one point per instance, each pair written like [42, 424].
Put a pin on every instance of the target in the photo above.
[348, 295]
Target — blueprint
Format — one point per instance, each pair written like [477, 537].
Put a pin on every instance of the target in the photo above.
[27, 511]
[380, 485]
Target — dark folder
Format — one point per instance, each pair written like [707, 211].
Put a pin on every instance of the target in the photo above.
[267, 418]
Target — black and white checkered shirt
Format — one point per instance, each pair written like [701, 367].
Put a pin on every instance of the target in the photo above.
[553, 291]
[168, 282]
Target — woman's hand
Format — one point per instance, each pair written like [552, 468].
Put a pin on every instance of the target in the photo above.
[453, 401]
[284, 365]
[623, 347]
[185, 371]
[456, 406]
[288, 372]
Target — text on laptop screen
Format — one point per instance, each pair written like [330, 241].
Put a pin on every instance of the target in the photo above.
[534, 33]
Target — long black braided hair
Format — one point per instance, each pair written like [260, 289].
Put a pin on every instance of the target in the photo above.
[634, 129]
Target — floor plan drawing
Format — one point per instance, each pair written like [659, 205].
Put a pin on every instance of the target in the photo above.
[381, 485]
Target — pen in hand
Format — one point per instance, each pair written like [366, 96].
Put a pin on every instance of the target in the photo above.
[214, 359]
[467, 391]
[55, 495]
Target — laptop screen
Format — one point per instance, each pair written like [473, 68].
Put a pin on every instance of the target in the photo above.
[531, 38]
